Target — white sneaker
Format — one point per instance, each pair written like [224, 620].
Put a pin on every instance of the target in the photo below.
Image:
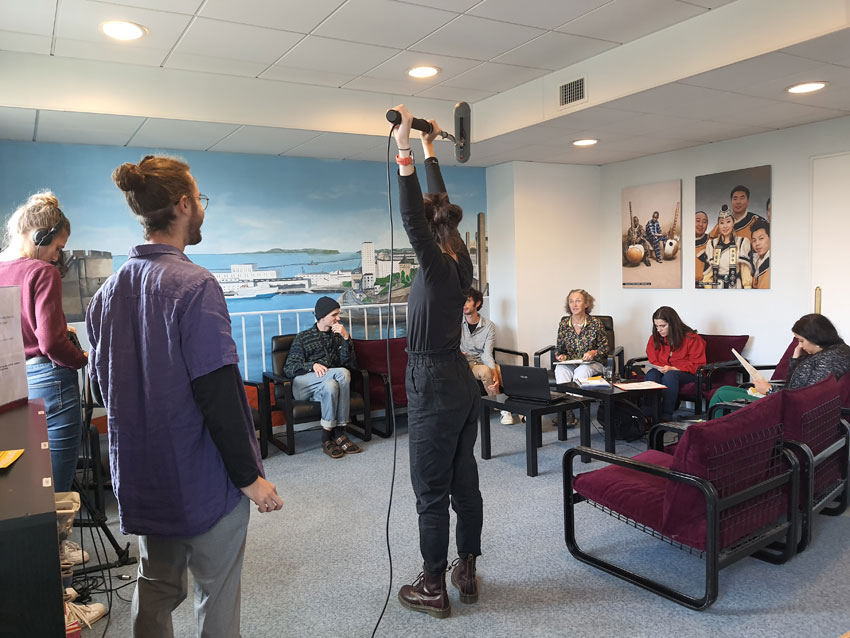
[507, 418]
[84, 614]
[74, 553]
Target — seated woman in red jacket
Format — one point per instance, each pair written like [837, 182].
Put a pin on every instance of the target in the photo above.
[676, 351]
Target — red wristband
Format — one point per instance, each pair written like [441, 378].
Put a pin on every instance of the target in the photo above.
[404, 161]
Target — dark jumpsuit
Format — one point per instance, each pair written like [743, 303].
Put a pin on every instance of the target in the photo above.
[442, 394]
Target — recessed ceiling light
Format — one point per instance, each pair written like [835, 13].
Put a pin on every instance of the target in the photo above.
[423, 71]
[587, 142]
[122, 30]
[806, 87]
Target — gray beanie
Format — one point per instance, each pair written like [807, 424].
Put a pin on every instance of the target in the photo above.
[325, 306]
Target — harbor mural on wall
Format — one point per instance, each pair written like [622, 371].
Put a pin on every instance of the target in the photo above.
[279, 232]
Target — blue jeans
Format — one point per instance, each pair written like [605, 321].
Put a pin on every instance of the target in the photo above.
[672, 380]
[60, 388]
[332, 390]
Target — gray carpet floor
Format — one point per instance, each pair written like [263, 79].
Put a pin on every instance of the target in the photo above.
[319, 567]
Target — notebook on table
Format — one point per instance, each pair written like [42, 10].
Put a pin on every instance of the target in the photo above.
[527, 383]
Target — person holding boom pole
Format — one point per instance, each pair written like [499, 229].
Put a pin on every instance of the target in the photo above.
[442, 394]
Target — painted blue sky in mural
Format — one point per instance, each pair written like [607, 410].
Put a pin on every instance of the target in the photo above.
[256, 202]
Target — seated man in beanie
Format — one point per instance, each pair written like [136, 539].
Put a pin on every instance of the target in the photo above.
[319, 363]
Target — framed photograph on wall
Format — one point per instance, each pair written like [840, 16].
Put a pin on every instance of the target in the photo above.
[732, 224]
[651, 231]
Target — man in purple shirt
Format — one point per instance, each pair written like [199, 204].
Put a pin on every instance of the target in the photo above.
[182, 447]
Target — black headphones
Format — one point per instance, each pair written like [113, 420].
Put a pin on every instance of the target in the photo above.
[43, 237]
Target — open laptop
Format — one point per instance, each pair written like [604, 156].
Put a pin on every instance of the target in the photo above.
[527, 383]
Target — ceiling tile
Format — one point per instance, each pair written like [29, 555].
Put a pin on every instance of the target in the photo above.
[187, 7]
[395, 87]
[179, 134]
[379, 22]
[554, 51]
[740, 76]
[834, 47]
[538, 136]
[25, 42]
[709, 4]
[67, 127]
[110, 51]
[476, 38]
[265, 140]
[79, 20]
[543, 14]
[17, 124]
[335, 56]
[627, 20]
[668, 99]
[293, 15]
[837, 76]
[449, 5]
[455, 94]
[209, 64]
[597, 116]
[28, 16]
[396, 68]
[779, 115]
[306, 76]
[495, 77]
[219, 39]
[336, 145]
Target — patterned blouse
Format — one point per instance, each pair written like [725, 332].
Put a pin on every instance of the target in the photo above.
[574, 345]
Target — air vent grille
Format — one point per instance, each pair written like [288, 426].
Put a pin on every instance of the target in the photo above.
[572, 92]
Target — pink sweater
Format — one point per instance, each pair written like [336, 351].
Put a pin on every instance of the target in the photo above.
[42, 318]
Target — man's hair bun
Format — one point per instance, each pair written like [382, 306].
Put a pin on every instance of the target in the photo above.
[128, 177]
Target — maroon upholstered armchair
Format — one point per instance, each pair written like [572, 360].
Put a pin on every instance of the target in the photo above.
[729, 490]
[372, 357]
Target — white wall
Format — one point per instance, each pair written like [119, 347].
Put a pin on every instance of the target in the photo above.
[556, 227]
[553, 247]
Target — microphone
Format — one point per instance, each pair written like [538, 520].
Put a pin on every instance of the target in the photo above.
[463, 118]
[394, 117]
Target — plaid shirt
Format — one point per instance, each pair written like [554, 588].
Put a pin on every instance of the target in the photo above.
[653, 228]
[312, 346]
[574, 345]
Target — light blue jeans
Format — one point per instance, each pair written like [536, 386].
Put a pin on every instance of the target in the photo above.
[332, 390]
[60, 388]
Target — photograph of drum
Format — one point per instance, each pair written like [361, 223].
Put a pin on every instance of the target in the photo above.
[650, 235]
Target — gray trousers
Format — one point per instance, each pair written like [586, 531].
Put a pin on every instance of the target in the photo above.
[215, 560]
[332, 390]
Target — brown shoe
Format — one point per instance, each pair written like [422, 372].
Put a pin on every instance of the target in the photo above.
[347, 445]
[428, 594]
[332, 450]
[463, 577]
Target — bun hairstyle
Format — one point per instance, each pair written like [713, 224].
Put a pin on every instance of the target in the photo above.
[40, 211]
[443, 218]
[152, 187]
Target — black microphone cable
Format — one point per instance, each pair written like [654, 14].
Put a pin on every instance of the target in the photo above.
[389, 404]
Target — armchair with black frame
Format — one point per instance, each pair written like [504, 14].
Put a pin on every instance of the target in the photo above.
[728, 491]
[616, 355]
[296, 411]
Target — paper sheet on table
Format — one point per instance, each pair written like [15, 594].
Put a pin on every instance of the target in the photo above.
[13, 368]
[641, 385]
[755, 375]
[594, 382]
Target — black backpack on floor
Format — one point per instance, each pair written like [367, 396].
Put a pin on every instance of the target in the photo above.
[630, 423]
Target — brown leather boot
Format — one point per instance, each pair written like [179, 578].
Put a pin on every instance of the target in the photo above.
[463, 577]
[428, 594]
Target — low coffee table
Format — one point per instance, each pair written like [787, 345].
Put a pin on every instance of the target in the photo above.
[606, 397]
[533, 411]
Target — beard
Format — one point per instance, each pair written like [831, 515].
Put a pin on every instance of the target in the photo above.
[193, 233]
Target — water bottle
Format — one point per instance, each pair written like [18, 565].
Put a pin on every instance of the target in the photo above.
[609, 371]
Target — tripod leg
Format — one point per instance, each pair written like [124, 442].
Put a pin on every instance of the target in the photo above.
[99, 519]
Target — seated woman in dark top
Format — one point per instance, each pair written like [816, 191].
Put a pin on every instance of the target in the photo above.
[819, 353]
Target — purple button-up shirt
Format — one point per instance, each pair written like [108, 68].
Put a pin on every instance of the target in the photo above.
[154, 326]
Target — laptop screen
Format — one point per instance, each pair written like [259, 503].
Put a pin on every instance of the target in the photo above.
[526, 382]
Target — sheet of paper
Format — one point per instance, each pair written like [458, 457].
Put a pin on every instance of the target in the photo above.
[594, 382]
[573, 362]
[13, 367]
[755, 375]
[640, 385]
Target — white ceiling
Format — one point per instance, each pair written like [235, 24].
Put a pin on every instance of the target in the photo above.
[484, 48]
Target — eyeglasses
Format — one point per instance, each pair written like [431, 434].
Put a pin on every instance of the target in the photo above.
[203, 199]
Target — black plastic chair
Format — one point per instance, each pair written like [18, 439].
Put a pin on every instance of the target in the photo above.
[296, 411]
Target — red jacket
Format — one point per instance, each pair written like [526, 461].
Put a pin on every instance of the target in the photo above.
[687, 358]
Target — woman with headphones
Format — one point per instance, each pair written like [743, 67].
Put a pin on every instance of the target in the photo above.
[36, 233]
